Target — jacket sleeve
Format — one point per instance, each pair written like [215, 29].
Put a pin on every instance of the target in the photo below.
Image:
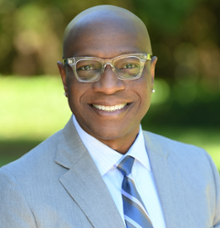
[216, 223]
[14, 208]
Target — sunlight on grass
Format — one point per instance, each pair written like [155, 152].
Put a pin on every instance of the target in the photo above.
[32, 107]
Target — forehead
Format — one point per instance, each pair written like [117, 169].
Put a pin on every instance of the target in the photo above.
[106, 37]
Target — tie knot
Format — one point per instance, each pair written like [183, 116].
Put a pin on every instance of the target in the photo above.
[125, 165]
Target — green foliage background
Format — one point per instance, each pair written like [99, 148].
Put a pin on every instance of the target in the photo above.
[185, 36]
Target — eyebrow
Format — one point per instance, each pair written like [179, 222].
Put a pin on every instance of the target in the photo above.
[122, 53]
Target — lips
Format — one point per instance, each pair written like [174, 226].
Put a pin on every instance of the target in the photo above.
[110, 108]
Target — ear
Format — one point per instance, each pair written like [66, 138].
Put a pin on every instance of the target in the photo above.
[152, 69]
[62, 74]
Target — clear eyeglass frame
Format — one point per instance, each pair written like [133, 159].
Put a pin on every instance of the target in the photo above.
[72, 62]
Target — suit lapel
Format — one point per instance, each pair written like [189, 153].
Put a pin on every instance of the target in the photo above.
[168, 182]
[84, 183]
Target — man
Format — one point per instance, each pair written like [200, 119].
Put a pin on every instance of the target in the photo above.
[102, 170]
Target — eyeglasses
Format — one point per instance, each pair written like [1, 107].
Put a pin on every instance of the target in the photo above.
[125, 67]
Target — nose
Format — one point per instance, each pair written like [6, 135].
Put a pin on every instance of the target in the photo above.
[108, 82]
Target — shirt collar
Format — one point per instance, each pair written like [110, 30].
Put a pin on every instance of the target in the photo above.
[138, 150]
[105, 158]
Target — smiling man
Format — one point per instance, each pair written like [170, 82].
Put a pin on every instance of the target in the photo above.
[109, 92]
[102, 170]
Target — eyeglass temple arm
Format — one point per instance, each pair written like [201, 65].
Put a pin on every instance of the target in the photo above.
[69, 61]
[147, 57]
[65, 61]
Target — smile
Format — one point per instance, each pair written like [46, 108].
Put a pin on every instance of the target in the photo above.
[110, 108]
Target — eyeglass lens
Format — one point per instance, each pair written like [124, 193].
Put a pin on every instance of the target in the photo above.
[124, 68]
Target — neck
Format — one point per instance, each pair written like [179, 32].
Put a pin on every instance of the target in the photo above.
[121, 145]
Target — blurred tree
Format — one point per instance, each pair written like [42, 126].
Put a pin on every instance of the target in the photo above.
[185, 36]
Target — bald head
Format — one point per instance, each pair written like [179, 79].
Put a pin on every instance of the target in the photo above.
[110, 38]
[105, 22]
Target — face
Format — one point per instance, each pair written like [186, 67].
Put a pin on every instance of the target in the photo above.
[109, 109]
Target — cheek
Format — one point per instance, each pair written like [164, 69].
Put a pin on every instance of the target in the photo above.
[144, 92]
[76, 92]
[144, 85]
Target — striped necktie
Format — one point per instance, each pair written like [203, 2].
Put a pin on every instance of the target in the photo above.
[135, 214]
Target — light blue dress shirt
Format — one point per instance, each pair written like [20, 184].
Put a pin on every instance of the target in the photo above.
[107, 159]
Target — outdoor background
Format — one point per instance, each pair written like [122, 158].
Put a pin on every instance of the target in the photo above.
[185, 36]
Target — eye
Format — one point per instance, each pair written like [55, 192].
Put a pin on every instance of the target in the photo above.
[86, 68]
[129, 66]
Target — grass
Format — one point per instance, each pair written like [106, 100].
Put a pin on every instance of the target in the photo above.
[31, 109]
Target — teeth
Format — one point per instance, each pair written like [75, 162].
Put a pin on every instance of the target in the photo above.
[110, 108]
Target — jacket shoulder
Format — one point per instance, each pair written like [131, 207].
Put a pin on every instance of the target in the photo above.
[180, 153]
[170, 145]
[42, 153]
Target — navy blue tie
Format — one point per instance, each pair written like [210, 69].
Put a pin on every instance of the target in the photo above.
[135, 214]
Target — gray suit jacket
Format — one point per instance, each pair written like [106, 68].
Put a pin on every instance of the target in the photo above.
[58, 185]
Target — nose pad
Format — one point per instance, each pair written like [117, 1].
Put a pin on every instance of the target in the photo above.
[113, 68]
[108, 82]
